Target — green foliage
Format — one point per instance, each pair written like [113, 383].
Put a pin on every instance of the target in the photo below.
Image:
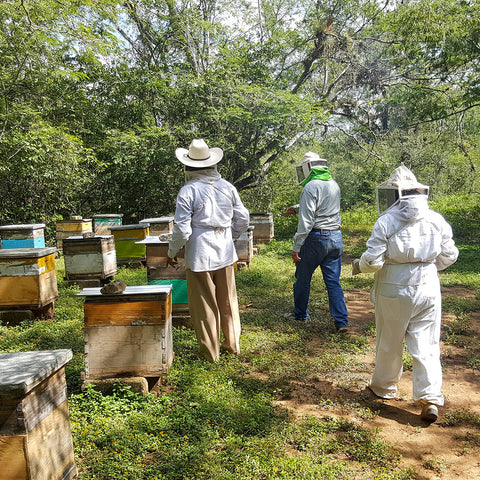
[463, 213]
[141, 177]
[43, 169]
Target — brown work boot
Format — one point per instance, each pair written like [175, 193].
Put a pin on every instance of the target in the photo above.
[429, 413]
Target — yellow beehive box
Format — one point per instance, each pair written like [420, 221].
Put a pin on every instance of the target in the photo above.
[27, 277]
[76, 225]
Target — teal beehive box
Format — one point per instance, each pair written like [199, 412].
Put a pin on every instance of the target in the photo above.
[22, 236]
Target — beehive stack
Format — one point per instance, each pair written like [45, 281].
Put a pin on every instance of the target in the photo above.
[264, 230]
[160, 225]
[35, 434]
[102, 223]
[28, 280]
[76, 225]
[22, 236]
[90, 261]
[129, 333]
[126, 243]
[159, 273]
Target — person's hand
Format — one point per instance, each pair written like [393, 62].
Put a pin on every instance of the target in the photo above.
[295, 257]
[356, 267]
[289, 211]
[172, 262]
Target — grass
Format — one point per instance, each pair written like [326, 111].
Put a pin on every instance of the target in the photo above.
[225, 420]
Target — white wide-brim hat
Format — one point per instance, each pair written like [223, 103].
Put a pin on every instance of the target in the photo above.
[199, 155]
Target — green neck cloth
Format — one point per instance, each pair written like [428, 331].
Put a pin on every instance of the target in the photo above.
[319, 173]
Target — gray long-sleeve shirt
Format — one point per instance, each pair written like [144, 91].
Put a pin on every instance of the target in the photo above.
[319, 207]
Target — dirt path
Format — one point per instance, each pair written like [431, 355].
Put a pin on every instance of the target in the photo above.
[436, 451]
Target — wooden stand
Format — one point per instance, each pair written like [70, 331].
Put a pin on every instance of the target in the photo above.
[35, 434]
[128, 334]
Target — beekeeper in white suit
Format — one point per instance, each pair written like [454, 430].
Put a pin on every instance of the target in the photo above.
[209, 214]
[408, 245]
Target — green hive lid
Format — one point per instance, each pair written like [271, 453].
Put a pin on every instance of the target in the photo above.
[20, 370]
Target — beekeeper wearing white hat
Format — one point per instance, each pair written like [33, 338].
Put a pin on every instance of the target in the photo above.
[209, 215]
[409, 244]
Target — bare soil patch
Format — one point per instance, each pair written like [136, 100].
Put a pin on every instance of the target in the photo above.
[436, 451]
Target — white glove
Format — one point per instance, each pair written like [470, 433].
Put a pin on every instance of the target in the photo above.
[356, 267]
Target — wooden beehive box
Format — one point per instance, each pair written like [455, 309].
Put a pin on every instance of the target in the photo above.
[90, 261]
[128, 334]
[28, 277]
[263, 223]
[160, 225]
[76, 225]
[158, 273]
[244, 246]
[22, 236]
[102, 223]
[156, 260]
[126, 243]
[35, 434]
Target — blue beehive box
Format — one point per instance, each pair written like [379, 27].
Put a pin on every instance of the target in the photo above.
[22, 236]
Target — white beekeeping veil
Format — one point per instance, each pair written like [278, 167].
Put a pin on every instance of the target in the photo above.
[402, 183]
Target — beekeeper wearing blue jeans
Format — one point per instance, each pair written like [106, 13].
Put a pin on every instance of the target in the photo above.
[209, 214]
[409, 244]
[318, 240]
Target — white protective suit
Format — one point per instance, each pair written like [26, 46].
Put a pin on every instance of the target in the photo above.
[408, 245]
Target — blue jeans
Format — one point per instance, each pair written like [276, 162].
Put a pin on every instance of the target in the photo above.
[322, 249]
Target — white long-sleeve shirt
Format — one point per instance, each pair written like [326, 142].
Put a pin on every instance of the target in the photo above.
[409, 243]
[209, 215]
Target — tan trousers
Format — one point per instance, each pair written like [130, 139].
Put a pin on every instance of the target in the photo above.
[213, 305]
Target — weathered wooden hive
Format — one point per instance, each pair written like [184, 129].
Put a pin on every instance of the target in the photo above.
[35, 434]
[28, 280]
[244, 246]
[128, 334]
[22, 236]
[76, 225]
[263, 223]
[159, 273]
[102, 223]
[160, 225]
[126, 246]
[90, 261]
